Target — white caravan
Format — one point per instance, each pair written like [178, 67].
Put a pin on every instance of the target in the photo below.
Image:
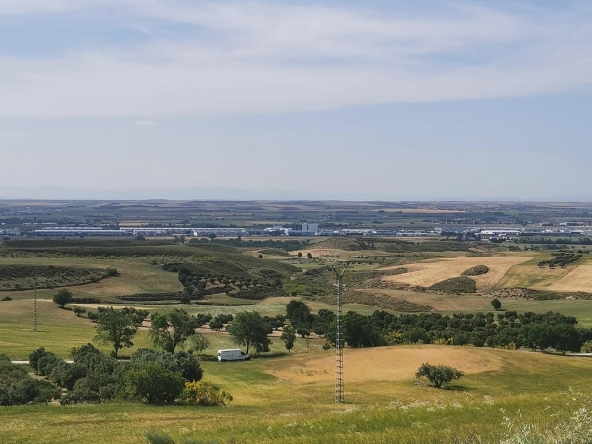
[232, 354]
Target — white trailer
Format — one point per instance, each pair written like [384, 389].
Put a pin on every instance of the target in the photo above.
[232, 354]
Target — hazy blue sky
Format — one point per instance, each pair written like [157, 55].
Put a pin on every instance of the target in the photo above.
[192, 99]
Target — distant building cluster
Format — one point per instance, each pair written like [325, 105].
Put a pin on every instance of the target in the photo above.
[309, 229]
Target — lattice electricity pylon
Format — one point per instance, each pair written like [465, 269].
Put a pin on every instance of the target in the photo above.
[35, 305]
[339, 394]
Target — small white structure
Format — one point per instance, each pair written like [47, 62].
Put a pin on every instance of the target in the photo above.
[232, 354]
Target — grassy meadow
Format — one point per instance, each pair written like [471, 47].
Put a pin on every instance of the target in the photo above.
[268, 406]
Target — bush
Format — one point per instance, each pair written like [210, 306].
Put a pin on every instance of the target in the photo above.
[6, 298]
[438, 374]
[461, 284]
[16, 387]
[477, 270]
[204, 393]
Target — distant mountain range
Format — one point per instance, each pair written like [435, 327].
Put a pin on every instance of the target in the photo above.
[67, 193]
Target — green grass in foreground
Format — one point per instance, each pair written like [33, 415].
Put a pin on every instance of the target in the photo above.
[530, 388]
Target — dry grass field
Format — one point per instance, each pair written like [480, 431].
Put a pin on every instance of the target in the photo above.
[385, 363]
[431, 271]
[577, 279]
[531, 276]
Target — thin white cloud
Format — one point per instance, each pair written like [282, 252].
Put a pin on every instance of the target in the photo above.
[268, 58]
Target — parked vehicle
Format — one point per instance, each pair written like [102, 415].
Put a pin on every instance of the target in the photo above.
[232, 354]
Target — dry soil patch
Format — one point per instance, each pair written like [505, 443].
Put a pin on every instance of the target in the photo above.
[387, 363]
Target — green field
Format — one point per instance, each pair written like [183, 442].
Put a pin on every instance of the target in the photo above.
[539, 390]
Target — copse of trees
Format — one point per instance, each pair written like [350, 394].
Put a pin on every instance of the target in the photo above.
[150, 376]
[508, 329]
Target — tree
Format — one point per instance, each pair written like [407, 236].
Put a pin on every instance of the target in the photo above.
[438, 374]
[197, 344]
[170, 328]
[79, 311]
[248, 328]
[566, 338]
[63, 297]
[289, 337]
[153, 382]
[300, 317]
[299, 254]
[495, 303]
[114, 327]
[309, 255]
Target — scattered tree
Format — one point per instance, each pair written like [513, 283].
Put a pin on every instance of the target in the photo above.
[248, 328]
[197, 344]
[289, 337]
[438, 374]
[114, 327]
[79, 311]
[63, 297]
[495, 303]
[170, 328]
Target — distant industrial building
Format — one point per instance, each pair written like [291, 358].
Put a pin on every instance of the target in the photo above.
[304, 229]
[77, 231]
[10, 232]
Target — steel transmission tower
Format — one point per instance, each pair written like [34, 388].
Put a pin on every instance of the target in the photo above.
[35, 305]
[339, 272]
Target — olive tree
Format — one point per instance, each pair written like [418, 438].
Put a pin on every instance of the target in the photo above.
[438, 374]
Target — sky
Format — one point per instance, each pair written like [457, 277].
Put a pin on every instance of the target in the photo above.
[374, 100]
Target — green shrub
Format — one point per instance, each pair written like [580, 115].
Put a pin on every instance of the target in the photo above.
[477, 270]
[204, 393]
[462, 284]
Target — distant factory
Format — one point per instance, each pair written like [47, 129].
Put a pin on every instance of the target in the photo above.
[137, 231]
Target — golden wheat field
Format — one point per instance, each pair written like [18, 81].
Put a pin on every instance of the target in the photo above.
[385, 363]
[431, 271]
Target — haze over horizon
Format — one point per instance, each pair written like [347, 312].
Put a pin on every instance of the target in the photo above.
[434, 100]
